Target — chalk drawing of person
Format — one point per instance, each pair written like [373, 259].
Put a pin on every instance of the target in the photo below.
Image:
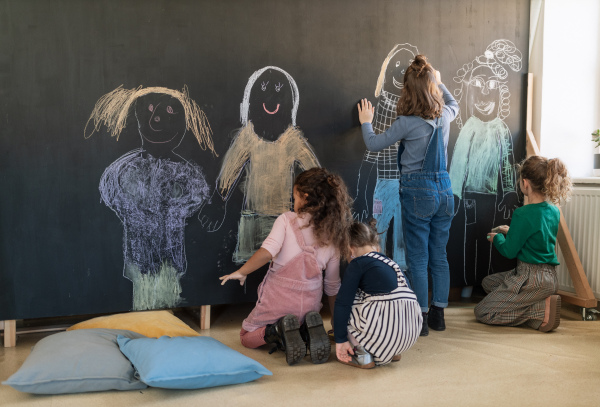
[152, 189]
[386, 208]
[268, 147]
[482, 168]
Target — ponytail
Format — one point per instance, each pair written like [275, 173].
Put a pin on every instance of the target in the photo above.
[557, 185]
[549, 177]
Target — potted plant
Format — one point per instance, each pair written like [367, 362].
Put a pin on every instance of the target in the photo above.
[596, 139]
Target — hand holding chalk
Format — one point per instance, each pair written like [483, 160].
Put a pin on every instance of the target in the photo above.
[501, 229]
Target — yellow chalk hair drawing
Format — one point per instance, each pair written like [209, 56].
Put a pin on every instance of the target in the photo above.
[394, 51]
[112, 109]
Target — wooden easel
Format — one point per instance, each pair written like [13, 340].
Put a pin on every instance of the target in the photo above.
[584, 296]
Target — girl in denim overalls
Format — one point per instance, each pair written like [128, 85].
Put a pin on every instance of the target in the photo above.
[301, 246]
[425, 110]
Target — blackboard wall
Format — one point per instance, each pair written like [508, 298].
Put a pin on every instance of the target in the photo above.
[61, 248]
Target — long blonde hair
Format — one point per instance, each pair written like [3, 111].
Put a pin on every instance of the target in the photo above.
[112, 109]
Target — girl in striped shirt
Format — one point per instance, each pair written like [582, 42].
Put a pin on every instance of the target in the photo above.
[376, 316]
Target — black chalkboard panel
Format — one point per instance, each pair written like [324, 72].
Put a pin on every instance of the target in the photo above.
[90, 199]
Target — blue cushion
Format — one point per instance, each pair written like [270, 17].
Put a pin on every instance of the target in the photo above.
[189, 362]
[76, 362]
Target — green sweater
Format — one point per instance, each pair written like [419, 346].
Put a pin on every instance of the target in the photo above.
[532, 234]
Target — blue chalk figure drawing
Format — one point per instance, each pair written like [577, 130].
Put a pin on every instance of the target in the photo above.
[482, 168]
[386, 197]
[152, 189]
[268, 147]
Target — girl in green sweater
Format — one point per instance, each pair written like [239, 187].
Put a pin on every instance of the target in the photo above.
[527, 294]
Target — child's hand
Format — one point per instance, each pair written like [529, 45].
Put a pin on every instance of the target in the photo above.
[366, 111]
[236, 275]
[343, 351]
[490, 236]
[438, 77]
[501, 229]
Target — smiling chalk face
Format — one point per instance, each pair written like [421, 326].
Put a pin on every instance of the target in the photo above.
[271, 104]
[483, 94]
[161, 121]
[394, 74]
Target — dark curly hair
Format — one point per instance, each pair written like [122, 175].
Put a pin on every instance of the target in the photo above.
[328, 202]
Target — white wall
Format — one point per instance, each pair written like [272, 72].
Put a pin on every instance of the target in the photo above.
[570, 78]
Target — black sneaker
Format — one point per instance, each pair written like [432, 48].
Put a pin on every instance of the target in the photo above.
[285, 335]
[425, 327]
[436, 318]
[317, 340]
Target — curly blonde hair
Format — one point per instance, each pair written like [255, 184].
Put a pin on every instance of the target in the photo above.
[329, 204]
[548, 176]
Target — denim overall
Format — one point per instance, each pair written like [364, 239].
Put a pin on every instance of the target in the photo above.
[427, 212]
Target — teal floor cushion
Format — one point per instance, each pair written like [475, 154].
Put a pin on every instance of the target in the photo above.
[189, 362]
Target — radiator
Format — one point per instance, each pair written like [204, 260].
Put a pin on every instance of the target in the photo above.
[582, 214]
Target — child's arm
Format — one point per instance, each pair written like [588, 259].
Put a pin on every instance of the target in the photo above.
[344, 301]
[376, 142]
[501, 229]
[515, 239]
[258, 259]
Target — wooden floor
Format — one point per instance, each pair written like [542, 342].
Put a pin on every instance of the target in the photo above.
[470, 364]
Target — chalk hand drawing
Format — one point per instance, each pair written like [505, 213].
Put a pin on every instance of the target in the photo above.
[482, 168]
[268, 147]
[214, 223]
[152, 189]
[383, 202]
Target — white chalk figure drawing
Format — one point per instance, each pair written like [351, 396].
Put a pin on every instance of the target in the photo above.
[266, 151]
[152, 189]
[482, 168]
[386, 208]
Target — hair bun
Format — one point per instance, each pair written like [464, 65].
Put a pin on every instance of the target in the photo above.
[420, 64]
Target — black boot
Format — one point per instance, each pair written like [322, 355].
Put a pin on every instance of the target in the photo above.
[285, 335]
[425, 327]
[317, 340]
[436, 318]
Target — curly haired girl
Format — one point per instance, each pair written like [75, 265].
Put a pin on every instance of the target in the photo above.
[527, 294]
[300, 246]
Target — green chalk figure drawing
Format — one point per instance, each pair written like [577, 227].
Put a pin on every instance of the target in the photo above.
[482, 168]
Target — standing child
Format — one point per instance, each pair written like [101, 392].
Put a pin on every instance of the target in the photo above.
[425, 110]
[376, 317]
[301, 245]
[527, 294]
